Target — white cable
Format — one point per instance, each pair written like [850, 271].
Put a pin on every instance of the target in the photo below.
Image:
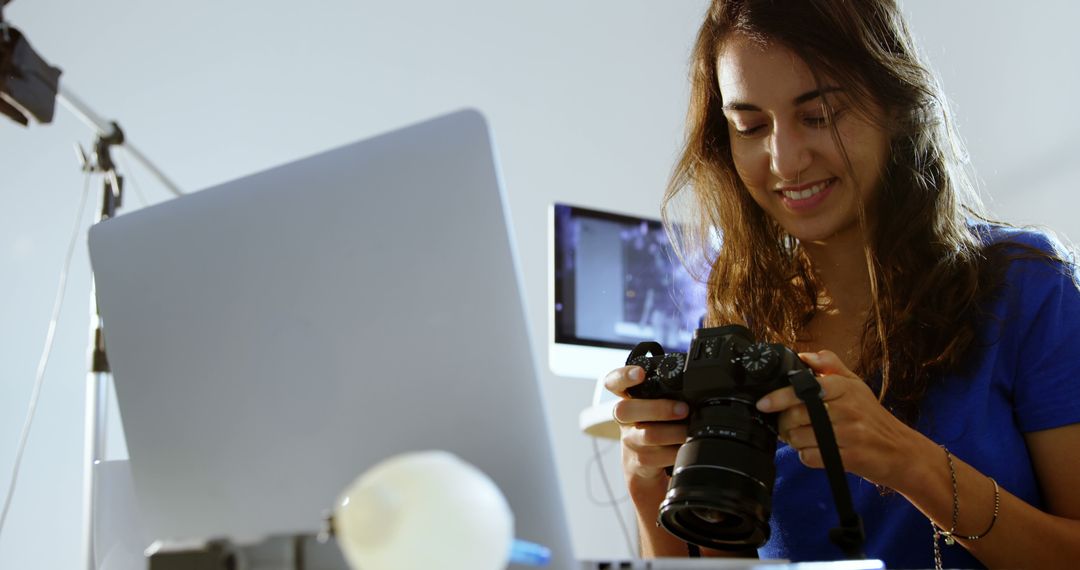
[614, 503]
[50, 336]
[590, 478]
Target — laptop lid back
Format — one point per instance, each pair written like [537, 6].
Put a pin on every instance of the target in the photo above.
[273, 337]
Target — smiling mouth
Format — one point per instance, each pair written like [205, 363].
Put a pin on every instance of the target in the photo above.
[806, 191]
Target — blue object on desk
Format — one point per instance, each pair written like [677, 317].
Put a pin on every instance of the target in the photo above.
[529, 553]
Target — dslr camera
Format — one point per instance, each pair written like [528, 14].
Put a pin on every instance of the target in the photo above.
[720, 494]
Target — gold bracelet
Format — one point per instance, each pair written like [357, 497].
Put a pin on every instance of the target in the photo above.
[951, 534]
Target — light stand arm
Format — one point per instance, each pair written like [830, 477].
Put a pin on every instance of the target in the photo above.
[82, 112]
[107, 129]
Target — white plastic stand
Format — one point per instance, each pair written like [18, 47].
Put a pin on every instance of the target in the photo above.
[597, 420]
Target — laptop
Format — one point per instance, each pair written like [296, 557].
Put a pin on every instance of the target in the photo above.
[274, 337]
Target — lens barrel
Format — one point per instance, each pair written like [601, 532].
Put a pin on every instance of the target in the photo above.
[720, 495]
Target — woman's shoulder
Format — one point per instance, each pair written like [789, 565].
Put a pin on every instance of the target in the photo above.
[1032, 330]
[1019, 238]
[1033, 267]
[1026, 252]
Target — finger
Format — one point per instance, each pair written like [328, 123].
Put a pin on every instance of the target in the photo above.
[651, 461]
[778, 400]
[826, 362]
[832, 388]
[811, 457]
[618, 380]
[801, 437]
[796, 416]
[792, 418]
[632, 411]
[656, 434]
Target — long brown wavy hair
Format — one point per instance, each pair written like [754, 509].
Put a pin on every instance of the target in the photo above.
[929, 272]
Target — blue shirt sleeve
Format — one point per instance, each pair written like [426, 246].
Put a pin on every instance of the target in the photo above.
[1047, 380]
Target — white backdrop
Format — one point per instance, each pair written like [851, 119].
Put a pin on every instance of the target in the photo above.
[586, 100]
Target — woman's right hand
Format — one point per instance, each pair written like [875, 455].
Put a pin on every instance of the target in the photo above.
[651, 432]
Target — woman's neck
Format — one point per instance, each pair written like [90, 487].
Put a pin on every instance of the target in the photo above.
[839, 265]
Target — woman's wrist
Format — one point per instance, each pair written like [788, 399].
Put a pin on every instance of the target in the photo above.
[647, 491]
[926, 481]
[921, 462]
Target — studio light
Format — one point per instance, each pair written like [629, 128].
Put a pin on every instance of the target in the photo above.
[28, 84]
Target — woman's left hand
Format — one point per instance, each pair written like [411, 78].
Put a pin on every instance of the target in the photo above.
[873, 443]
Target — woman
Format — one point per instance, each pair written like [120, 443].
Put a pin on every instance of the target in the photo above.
[820, 148]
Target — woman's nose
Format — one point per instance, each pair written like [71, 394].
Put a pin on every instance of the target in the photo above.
[790, 155]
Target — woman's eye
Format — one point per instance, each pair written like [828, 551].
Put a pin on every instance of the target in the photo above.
[820, 121]
[749, 131]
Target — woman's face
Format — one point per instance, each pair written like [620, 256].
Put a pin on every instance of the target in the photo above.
[783, 146]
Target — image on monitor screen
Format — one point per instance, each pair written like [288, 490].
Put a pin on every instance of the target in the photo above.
[617, 282]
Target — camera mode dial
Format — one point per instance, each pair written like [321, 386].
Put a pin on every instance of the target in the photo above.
[760, 360]
[663, 376]
[671, 366]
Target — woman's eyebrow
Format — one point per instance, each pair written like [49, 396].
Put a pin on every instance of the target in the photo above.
[811, 95]
[808, 96]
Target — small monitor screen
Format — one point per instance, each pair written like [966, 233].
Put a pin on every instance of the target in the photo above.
[618, 282]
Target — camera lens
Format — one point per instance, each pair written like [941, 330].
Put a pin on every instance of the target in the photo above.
[727, 510]
[726, 530]
[721, 492]
[711, 516]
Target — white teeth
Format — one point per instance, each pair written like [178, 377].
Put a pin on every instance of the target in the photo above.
[804, 194]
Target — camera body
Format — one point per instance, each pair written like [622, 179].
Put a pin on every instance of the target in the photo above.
[720, 494]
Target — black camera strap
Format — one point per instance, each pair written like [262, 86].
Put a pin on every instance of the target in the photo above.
[849, 536]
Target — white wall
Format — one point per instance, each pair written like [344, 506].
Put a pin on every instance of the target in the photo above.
[586, 100]
[1010, 71]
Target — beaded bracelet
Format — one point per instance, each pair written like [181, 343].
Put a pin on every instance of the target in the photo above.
[951, 535]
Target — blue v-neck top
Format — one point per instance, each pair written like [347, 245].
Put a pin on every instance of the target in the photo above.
[1024, 379]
